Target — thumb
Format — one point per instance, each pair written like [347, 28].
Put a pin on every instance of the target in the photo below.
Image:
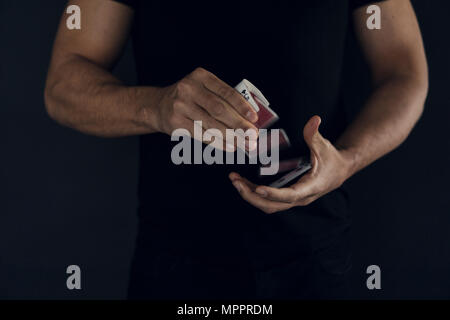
[312, 136]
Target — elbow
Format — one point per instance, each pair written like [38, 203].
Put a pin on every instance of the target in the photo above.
[54, 102]
[420, 79]
[49, 100]
[422, 88]
[423, 81]
[425, 87]
[418, 87]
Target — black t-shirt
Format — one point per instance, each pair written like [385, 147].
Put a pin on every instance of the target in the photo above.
[294, 54]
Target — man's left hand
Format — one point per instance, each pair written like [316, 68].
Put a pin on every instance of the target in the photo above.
[330, 168]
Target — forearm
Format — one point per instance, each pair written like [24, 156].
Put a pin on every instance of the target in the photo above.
[385, 121]
[86, 97]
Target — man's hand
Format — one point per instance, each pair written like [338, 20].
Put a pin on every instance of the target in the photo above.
[201, 96]
[396, 57]
[330, 168]
[82, 93]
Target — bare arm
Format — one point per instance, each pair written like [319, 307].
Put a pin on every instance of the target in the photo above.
[82, 93]
[400, 77]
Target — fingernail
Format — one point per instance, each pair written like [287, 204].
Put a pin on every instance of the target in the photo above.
[237, 185]
[261, 192]
[234, 176]
[252, 116]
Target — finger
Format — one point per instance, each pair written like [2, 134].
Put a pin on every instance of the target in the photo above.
[196, 113]
[214, 138]
[307, 186]
[194, 130]
[230, 141]
[254, 199]
[235, 176]
[315, 141]
[307, 201]
[287, 195]
[221, 109]
[215, 133]
[223, 90]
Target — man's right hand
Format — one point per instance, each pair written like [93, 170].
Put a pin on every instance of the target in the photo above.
[201, 96]
[82, 93]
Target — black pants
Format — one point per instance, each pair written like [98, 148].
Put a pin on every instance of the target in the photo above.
[159, 275]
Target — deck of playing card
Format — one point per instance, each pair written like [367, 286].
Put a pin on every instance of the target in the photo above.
[263, 148]
[302, 167]
[286, 165]
[282, 143]
[266, 116]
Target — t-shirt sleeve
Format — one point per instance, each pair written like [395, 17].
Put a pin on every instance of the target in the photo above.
[355, 4]
[130, 3]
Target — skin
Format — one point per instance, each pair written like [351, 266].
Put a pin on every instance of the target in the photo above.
[82, 93]
[399, 71]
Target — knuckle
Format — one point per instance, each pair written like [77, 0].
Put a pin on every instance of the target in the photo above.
[183, 87]
[247, 127]
[224, 92]
[200, 72]
[217, 109]
[243, 105]
[178, 105]
[175, 120]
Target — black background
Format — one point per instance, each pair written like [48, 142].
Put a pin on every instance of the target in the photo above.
[67, 198]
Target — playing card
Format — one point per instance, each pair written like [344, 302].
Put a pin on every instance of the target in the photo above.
[283, 142]
[287, 165]
[264, 148]
[304, 166]
[266, 116]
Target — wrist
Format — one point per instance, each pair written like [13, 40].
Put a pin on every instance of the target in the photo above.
[350, 157]
[148, 106]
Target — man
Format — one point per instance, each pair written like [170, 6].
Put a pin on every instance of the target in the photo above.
[198, 236]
